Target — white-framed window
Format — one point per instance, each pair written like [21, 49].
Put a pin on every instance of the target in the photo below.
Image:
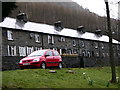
[97, 54]
[29, 50]
[9, 35]
[102, 45]
[96, 45]
[69, 51]
[50, 39]
[103, 54]
[74, 51]
[74, 43]
[12, 50]
[22, 51]
[82, 44]
[62, 39]
[118, 47]
[88, 53]
[83, 53]
[32, 35]
[107, 54]
[37, 38]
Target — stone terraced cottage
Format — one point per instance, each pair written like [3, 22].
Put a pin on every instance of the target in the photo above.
[77, 47]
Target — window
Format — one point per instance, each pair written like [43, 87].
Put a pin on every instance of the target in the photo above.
[29, 50]
[102, 45]
[49, 53]
[97, 54]
[88, 53]
[93, 53]
[56, 53]
[103, 54]
[63, 51]
[83, 53]
[31, 35]
[10, 35]
[74, 51]
[69, 51]
[22, 51]
[118, 48]
[82, 44]
[62, 39]
[37, 38]
[74, 43]
[96, 45]
[11, 50]
[108, 54]
[50, 39]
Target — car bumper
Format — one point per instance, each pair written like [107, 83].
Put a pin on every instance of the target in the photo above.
[29, 64]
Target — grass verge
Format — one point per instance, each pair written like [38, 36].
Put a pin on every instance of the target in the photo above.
[64, 78]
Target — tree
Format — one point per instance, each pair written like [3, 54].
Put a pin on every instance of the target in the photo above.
[7, 7]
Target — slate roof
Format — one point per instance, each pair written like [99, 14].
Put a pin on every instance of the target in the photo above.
[49, 29]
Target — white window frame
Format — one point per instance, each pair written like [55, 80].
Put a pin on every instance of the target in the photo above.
[29, 50]
[62, 39]
[102, 46]
[118, 48]
[88, 53]
[12, 50]
[22, 51]
[97, 54]
[37, 38]
[50, 39]
[74, 43]
[83, 53]
[96, 45]
[9, 35]
[82, 43]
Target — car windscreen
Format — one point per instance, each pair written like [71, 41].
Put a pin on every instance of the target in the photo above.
[37, 53]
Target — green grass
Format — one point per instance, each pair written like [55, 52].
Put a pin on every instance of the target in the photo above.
[40, 78]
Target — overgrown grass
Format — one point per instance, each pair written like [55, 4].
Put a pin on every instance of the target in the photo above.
[40, 78]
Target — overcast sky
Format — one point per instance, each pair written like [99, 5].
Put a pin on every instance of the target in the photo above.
[98, 6]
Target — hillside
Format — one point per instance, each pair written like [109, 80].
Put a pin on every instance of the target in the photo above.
[70, 13]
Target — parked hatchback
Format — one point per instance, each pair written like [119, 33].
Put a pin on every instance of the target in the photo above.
[42, 58]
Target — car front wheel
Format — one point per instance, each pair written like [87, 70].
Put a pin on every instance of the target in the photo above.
[60, 66]
[43, 65]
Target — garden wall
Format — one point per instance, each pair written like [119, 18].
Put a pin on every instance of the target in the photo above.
[11, 63]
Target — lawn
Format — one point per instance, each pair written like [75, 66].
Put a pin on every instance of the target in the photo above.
[64, 78]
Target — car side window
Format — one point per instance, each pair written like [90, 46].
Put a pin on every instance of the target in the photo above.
[56, 53]
[49, 53]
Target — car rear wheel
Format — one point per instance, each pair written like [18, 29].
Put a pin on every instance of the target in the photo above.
[60, 66]
[43, 65]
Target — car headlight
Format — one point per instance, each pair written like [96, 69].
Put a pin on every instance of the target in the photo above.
[20, 61]
[37, 59]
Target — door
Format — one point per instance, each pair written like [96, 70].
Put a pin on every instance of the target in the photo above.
[49, 58]
[56, 58]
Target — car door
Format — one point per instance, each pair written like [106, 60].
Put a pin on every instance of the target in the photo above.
[56, 58]
[49, 58]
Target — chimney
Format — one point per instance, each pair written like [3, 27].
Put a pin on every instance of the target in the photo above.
[98, 32]
[58, 26]
[81, 29]
[22, 17]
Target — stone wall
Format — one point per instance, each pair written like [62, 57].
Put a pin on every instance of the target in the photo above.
[11, 63]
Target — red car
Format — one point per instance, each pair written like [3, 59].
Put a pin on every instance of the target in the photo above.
[42, 58]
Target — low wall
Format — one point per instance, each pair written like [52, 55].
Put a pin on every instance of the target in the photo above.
[11, 63]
